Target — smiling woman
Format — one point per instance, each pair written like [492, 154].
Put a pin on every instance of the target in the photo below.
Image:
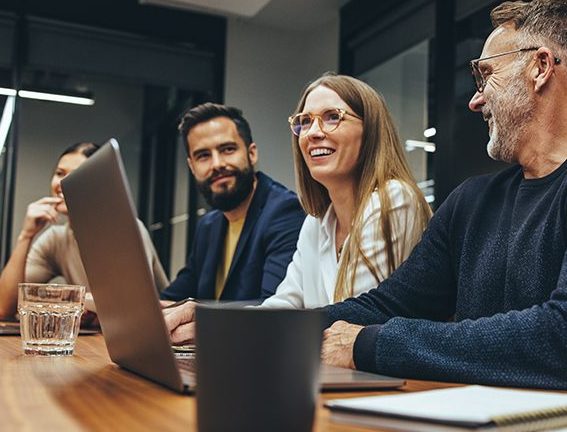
[366, 212]
[55, 252]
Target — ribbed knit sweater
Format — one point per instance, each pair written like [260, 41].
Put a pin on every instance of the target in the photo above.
[483, 297]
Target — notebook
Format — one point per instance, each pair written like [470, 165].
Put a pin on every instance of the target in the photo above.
[470, 408]
[104, 222]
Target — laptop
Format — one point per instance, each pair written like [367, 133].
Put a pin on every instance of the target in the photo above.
[103, 218]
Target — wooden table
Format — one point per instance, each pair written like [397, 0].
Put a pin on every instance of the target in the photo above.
[88, 392]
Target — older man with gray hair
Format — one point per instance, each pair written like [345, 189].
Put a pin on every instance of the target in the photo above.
[483, 297]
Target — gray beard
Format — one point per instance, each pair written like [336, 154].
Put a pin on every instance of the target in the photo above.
[511, 113]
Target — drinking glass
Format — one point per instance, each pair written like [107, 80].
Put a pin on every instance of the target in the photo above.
[50, 315]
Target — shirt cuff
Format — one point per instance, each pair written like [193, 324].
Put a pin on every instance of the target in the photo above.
[364, 350]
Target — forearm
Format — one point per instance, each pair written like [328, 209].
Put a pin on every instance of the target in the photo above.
[520, 348]
[359, 310]
[13, 273]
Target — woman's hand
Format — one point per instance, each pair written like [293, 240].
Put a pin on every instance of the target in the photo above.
[39, 214]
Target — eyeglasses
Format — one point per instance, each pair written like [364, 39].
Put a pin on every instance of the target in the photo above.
[480, 80]
[328, 120]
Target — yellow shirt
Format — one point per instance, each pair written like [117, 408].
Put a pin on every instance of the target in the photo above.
[230, 242]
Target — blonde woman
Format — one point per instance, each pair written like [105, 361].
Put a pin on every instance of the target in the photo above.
[365, 211]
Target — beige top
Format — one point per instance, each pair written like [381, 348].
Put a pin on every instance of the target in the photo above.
[56, 253]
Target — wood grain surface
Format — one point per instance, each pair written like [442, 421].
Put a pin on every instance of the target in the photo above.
[87, 392]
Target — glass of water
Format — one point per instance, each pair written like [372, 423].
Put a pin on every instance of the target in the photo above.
[50, 315]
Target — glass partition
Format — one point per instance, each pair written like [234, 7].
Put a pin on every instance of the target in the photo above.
[403, 81]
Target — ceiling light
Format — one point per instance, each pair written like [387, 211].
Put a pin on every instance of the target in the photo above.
[54, 97]
[7, 91]
[6, 120]
[428, 133]
[413, 144]
[246, 8]
[77, 99]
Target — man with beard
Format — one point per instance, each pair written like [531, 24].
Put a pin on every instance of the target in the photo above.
[242, 248]
[483, 297]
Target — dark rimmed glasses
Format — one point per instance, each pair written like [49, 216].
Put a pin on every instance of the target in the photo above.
[480, 80]
[328, 120]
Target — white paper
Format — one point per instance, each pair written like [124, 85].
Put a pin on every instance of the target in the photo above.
[474, 404]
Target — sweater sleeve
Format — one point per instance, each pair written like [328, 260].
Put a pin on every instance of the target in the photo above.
[525, 348]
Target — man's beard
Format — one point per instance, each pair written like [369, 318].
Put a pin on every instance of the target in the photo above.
[229, 198]
[511, 112]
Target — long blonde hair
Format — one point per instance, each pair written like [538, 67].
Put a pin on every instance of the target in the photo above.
[381, 159]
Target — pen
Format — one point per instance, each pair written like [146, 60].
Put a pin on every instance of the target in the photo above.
[180, 302]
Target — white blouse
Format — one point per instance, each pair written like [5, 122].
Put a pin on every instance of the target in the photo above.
[311, 276]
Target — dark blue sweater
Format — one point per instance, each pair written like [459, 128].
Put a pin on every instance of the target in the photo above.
[483, 297]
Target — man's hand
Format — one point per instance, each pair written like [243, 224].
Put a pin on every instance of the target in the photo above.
[180, 322]
[338, 344]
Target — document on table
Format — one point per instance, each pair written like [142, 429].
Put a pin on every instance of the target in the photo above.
[456, 409]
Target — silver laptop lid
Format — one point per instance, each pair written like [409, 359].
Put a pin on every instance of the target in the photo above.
[103, 219]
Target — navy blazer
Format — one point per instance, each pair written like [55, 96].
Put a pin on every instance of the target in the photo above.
[264, 250]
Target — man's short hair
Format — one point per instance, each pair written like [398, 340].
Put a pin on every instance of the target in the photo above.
[207, 111]
[540, 21]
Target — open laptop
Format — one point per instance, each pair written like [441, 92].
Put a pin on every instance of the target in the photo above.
[103, 217]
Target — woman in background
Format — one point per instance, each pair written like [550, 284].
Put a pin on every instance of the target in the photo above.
[365, 211]
[55, 252]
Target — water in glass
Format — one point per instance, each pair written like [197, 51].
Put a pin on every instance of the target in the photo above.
[50, 318]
